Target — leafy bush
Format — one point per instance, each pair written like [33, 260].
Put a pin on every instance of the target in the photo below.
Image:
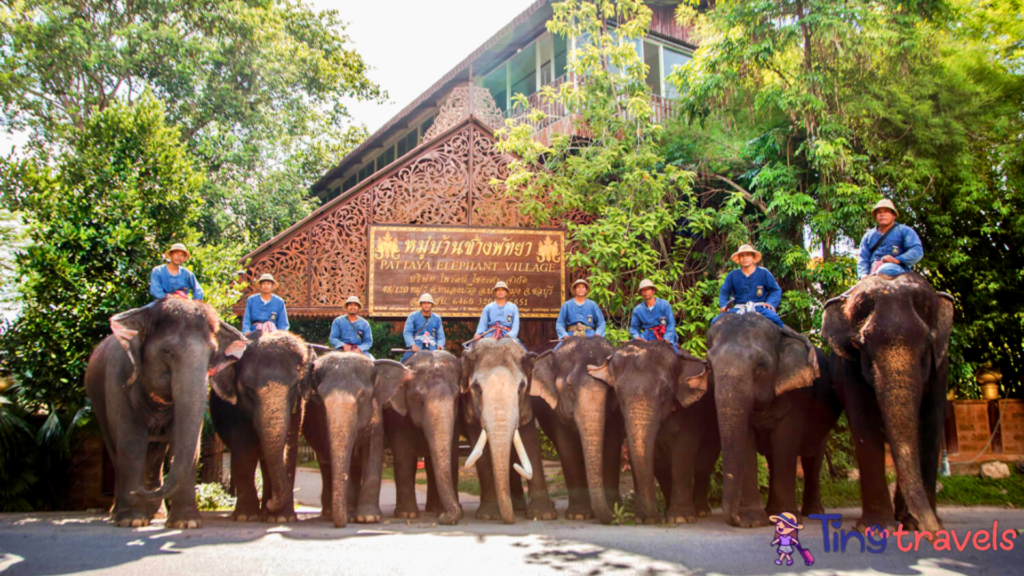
[212, 497]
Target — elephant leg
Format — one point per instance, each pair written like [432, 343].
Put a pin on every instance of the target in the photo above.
[540, 507]
[488, 509]
[182, 509]
[132, 450]
[515, 485]
[663, 471]
[367, 508]
[404, 451]
[433, 497]
[782, 456]
[314, 430]
[683, 452]
[570, 455]
[709, 450]
[326, 484]
[611, 456]
[751, 512]
[243, 475]
[812, 482]
[868, 433]
[155, 456]
[287, 511]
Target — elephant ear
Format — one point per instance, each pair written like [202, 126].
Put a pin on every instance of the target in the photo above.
[542, 383]
[223, 385]
[798, 362]
[943, 328]
[388, 379]
[307, 384]
[693, 381]
[603, 372]
[468, 365]
[231, 344]
[131, 329]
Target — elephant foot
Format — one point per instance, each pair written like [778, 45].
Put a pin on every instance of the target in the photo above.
[185, 519]
[681, 516]
[541, 509]
[246, 515]
[280, 517]
[368, 514]
[911, 523]
[777, 510]
[815, 508]
[877, 521]
[449, 518]
[488, 511]
[577, 511]
[406, 511]
[434, 507]
[648, 520]
[518, 504]
[751, 518]
[130, 519]
[703, 510]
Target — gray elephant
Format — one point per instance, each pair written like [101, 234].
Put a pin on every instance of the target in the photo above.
[422, 421]
[771, 398]
[668, 425]
[890, 336]
[497, 413]
[582, 419]
[149, 379]
[344, 426]
[256, 407]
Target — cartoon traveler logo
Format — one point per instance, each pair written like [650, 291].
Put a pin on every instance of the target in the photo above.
[786, 531]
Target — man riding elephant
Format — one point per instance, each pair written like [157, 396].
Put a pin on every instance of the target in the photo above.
[889, 248]
[423, 329]
[265, 312]
[499, 319]
[653, 318]
[173, 278]
[351, 333]
[752, 288]
[580, 315]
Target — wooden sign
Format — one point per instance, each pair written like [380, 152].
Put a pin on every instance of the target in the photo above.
[459, 266]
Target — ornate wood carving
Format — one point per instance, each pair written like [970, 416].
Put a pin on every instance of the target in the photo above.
[431, 189]
[491, 207]
[287, 263]
[338, 253]
[455, 109]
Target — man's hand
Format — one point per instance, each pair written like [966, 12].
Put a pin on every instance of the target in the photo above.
[567, 336]
[723, 308]
[640, 338]
[477, 337]
[415, 348]
[890, 260]
[769, 306]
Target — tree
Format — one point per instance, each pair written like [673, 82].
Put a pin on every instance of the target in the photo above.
[649, 223]
[99, 217]
[817, 108]
[256, 86]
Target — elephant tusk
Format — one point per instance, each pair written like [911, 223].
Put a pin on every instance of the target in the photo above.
[526, 471]
[478, 450]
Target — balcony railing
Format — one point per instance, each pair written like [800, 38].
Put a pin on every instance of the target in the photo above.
[663, 108]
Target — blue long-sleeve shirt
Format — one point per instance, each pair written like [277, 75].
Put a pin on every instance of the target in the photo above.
[507, 316]
[573, 313]
[645, 319]
[760, 286]
[902, 243]
[162, 282]
[416, 326]
[257, 311]
[356, 333]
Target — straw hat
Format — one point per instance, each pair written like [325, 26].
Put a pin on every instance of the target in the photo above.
[787, 519]
[177, 247]
[266, 278]
[353, 300]
[746, 248]
[581, 281]
[645, 283]
[884, 203]
[427, 298]
[501, 285]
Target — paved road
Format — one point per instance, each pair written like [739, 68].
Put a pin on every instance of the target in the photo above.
[61, 543]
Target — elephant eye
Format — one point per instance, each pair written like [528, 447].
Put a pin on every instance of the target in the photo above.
[167, 351]
[476, 387]
[522, 385]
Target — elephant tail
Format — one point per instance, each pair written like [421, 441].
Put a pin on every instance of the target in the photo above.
[165, 489]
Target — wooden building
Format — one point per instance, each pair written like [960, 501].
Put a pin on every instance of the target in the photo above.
[432, 163]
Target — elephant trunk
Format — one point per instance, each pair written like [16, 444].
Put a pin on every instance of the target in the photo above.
[439, 429]
[342, 416]
[737, 439]
[273, 420]
[590, 422]
[899, 400]
[500, 427]
[188, 391]
[641, 432]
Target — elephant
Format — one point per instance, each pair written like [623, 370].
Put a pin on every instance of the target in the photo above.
[256, 407]
[344, 425]
[771, 397]
[147, 384]
[890, 339]
[497, 414]
[582, 419]
[422, 421]
[669, 425]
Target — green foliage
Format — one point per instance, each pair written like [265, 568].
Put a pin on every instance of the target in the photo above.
[623, 515]
[212, 497]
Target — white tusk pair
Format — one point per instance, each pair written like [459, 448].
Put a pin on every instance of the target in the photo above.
[526, 470]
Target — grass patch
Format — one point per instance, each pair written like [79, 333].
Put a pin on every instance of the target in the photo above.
[977, 491]
[469, 486]
[315, 465]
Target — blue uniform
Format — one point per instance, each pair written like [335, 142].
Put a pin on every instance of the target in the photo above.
[760, 286]
[507, 316]
[257, 311]
[573, 314]
[645, 320]
[162, 283]
[427, 333]
[902, 243]
[356, 333]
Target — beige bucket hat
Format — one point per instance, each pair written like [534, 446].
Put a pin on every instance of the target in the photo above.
[177, 247]
[501, 285]
[353, 300]
[427, 298]
[266, 278]
[581, 281]
[884, 203]
[746, 248]
[645, 283]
